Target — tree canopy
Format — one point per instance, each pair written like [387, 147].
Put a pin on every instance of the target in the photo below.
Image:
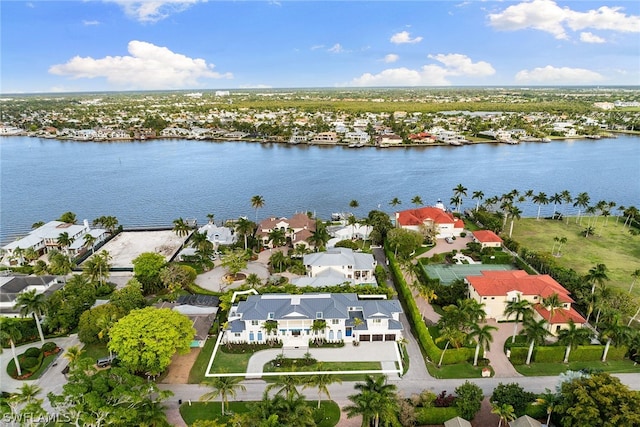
[146, 339]
[146, 268]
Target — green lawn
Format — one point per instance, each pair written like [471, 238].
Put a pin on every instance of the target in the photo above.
[612, 245]
[230, 363]
[328, 366]
[329, 411]
[94, 351]
[12, 371]
[459, 370]
[553, 369]
[199, 368]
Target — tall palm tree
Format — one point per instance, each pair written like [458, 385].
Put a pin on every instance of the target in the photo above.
[257, 202]
[354, 204]
[200, 241]
[521, 308]
[478, 195]
[366, 405]
[505, 412]
[540, 199]
[551, 303]
[384, 397]
[572, 337]
[73, 355]
[566, 198]
[286, 385]
[319, 237]
[616, 332]
[32, 303]
[451, 335]
[97, 268]
[180, 227]
[89, 241]
[548, 400]
[210, 218]
[556, 199]
[472, 310]
[223, 387]
[581, 202]
[64, 241]
[417, 200]
[322, 381]
[245, 227]
[597, 275]
[395, 202]
[514, 213]
[535, 331]
[562, 240]
[458, 192]
[9, 331]
[279, 259]
[277, 237]
[483, 337]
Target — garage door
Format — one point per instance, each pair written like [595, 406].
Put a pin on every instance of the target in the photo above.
[390, 337]
[365, 337]
[377, 337]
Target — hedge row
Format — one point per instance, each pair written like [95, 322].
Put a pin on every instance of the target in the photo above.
[431, 416]
[428, 347]
[555, 354]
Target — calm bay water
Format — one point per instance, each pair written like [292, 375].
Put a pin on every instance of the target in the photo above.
[152, 183]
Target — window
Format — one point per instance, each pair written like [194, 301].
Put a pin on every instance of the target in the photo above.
[271, 315]
[254, 323]
[335, 321]
[377, 320]
[237, 335]
[493, 297]
[318, 315]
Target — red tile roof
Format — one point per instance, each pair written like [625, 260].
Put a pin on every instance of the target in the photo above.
[499, 283]
[428, 213]
[560, 315]
[486, 236]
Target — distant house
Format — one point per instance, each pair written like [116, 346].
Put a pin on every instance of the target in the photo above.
[45, 238]
[344, 317]
[341, 265]
[495, 289]
[297, 229]
[349, 232]
[487, 239]
[445, 224]
[12, 286]
[200, 309]
[219, 235]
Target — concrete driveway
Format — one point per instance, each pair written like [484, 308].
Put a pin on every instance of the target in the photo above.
[213, 279]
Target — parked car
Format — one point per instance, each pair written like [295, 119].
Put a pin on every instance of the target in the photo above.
[449, 240]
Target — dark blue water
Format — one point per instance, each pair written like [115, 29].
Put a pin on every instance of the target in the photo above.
[155, 182]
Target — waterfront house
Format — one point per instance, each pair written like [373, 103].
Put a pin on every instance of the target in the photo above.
[445, 224]
[297, 229]
[487, 239]
[297, 319]
[219, 235]
[495, 289]
[336, 266]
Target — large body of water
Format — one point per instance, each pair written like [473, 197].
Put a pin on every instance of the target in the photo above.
[152, 183]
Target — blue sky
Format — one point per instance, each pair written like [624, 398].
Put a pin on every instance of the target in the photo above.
[63, 46]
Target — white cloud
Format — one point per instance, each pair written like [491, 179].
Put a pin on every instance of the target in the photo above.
[390, 58]
[546, 15]
[588, 37]
[336, 48]
[404, 37]
[561, 75]
[453, 65]
[318, 46]
[153, 10]
[147, 67]
[89, 23]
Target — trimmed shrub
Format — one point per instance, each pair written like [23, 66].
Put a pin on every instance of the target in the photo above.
[549, 354]
[28, 363]
[32, 352]
[430, 416]
[535, 411]
[49, 347]
[519, 355]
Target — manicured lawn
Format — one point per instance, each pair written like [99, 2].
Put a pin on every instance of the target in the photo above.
[328, 366]
[11, 367]
[329, 411]
[95, 351]
[230, 363]
[199, 368]
[459, 370]
[611, 245]
[552, 369]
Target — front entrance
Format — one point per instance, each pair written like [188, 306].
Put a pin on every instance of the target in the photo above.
[348, 331]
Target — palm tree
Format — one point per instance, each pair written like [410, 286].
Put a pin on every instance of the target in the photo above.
[540, 199]
[505, 412]
[37, 224]
[472, 311]
[245, 228]
[32, 303]
[562, 240]
[277, 237]
[89, 241]
[322, 381]
[180, 227]
[270, 326]
[257, 202]
[519, 307]
[451, 335]
[366, 405]
[383, 395]
[64, 241]
[97, 268]
[427, 293]
[479, 195]
[73, 355]
[319, 237]
[278, 259]
[566, 198]
[287, 386]
[210, 218]
[632, 213]
[535, 331]
[615, 332]
[556, 199]
[514, 213]
[11, 332]
[581, 202]
[551, 303]
[458, 192]
[417, 200]
[635, 276]
[253, 280]
[483, 337]
[354, 204]
[395, 202]
[200, 242]
[572, 337]
[549, 400]
[223, 387]
[597, 275]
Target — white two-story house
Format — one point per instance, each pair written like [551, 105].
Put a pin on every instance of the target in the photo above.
[336, 266]
[295, 320]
